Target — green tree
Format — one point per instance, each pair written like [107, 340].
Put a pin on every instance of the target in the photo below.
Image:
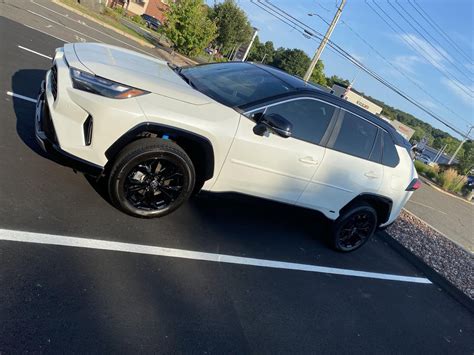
[318, 76]
[233, 27]
[296, 62]
[466, 160]
[293, 61]
[336, 80]
[261, 52]
[188, 26]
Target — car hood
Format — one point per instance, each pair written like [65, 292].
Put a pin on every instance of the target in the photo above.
[134, 69]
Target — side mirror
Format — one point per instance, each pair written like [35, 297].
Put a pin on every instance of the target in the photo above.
[274, 123]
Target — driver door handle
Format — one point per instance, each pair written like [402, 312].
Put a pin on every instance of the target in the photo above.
[308, 160]
[371, 175]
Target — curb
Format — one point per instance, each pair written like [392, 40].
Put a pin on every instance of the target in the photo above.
[106, 25]
[431, 274]
[432, 185]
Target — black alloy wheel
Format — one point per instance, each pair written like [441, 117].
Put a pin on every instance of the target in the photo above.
[354, 228]
[150, 178]
[153, 184]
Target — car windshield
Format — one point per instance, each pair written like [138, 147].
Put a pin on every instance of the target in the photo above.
[234, 84]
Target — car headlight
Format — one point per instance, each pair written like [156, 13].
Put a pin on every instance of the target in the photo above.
[104, 87]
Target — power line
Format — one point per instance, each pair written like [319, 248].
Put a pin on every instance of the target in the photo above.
[396, 68]
[437, 42]
[410, 41]
[429, 43]
[439, 29]
[392, 65]
[305, 29]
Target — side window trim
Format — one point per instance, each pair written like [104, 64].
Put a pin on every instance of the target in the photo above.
[378, 137]
[329, 129]
[265, 107]
[337, 128]
[383, 148]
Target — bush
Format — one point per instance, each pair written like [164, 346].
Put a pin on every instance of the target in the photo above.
[420, 167]
[431, 174]
[120, 10]
[138, 19]
[450, 180]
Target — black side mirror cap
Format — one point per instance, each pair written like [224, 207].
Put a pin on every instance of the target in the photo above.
[274, 123]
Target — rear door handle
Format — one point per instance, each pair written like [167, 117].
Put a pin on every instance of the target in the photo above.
[308, 160]
[371, 175]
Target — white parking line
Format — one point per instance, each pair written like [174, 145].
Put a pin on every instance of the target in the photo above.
[26, 98]
[60, 24]
[32, 51]
[49, 239]
[46, 33]
[426, 206]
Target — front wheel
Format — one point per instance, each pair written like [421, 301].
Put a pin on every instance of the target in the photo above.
[150, 178]
[354, 228]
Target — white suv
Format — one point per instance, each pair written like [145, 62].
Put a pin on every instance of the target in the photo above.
[158, 133]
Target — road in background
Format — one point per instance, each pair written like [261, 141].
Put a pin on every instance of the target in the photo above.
[450, 215]
[63, 299]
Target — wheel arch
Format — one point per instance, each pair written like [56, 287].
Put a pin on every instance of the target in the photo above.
[198, 148]
[381, 204]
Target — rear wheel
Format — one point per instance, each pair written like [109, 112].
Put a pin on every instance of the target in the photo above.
[150, 178]
[354, 227]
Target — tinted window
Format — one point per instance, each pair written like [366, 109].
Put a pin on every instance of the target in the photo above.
[310, 118]
[235, 84]
[390, 155]
[356, 136]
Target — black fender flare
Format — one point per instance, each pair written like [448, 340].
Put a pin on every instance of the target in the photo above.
[206, 150]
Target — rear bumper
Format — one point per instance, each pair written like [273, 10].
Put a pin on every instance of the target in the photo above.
[47, 140]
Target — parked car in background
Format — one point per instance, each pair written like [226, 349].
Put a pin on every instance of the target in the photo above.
[470, 181]
[151, 22]
[424, 159]
[157, 133]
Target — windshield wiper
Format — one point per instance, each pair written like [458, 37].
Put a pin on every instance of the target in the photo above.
[178, 71]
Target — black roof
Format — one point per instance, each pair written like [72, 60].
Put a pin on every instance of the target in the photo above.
[299, 87]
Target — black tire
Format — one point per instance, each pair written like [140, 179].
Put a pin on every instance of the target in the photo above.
[354, 227]
[151, 178]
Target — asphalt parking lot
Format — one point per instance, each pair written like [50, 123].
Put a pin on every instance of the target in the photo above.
[91, 297]
[448, 214]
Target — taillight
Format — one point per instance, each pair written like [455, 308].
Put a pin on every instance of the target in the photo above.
[415, 184]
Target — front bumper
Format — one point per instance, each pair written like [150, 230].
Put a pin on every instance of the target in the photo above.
[47, 140]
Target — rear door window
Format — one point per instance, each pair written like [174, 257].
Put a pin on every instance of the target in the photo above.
[356, 136]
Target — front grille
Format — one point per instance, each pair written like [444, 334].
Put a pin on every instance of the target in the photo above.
[54, 81]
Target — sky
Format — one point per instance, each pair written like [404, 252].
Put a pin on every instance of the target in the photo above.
[424, 72]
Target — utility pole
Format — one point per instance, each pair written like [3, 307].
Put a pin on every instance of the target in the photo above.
[460, 145]
[255, 31]
[440, 154]
[324, 41]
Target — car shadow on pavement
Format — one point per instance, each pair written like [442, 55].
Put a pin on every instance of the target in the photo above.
[241, 215]
[27, 82]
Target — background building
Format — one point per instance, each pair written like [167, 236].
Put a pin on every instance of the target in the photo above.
[155, 8]
[346, 93]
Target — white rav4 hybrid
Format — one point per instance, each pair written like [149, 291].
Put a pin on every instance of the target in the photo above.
[158, 133]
